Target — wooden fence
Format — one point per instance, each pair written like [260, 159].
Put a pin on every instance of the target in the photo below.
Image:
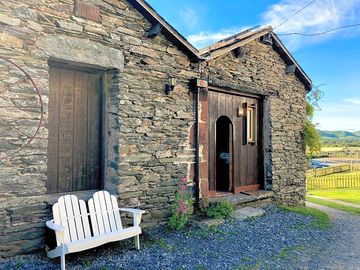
[328, 170]
[333, 181]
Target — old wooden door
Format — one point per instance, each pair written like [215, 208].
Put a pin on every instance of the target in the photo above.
[75, 114]
[244, 113]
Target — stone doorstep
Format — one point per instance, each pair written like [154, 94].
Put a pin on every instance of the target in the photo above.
[206, 222]
[247, 212]
[239, 214]
[242, 199]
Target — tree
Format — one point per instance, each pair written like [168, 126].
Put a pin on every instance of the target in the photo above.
[312, 138]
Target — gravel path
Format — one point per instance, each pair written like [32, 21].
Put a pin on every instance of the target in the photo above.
[277, 240]
[344, 251]
[335, 201]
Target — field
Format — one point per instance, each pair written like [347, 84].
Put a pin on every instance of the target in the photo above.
[344, 194]
[344, 170]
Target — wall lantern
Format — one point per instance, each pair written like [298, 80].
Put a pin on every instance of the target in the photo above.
[169, 87]
[241, 110]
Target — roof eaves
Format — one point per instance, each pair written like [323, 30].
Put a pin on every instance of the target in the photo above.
[280, 47]
[148, 12]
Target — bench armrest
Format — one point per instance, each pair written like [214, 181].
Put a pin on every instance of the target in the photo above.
[59, 230]
[137, 213]
[132, 210]
[56, 227]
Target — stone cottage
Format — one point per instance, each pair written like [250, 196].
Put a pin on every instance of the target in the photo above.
[105, 94]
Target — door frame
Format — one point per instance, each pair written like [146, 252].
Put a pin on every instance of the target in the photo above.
[260, 142]
[102, 108]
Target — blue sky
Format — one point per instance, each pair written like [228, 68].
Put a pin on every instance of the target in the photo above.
[332, 61]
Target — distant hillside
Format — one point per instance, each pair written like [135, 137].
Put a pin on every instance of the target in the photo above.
[340, 138]
[339, 134]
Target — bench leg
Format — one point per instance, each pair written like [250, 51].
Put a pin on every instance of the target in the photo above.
[62, 262]
[62, 258]
[137, 242]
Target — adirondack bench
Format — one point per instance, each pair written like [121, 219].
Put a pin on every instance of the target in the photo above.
[78, 228]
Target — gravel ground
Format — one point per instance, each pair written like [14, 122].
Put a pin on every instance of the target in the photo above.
[277, 240]
[344, 251]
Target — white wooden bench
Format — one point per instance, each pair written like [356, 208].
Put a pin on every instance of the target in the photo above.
[78, 228]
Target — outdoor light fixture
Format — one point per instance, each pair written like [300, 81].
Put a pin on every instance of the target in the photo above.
[241, 110]
[169, 87]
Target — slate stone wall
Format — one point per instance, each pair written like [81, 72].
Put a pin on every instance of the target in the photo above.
[149, 135]
[148, 149]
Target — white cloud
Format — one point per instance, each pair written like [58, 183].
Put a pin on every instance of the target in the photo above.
[339, 116]
[320, 16]
[353, 100]
[204, 39]
[189, 17]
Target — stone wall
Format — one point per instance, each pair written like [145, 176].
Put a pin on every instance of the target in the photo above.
[262, 71]
[147, 140]
[149, 135]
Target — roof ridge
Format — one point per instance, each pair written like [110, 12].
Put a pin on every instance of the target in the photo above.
[233, 39]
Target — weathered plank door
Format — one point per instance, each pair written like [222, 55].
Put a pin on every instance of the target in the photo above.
[75, 116]
[245, 155]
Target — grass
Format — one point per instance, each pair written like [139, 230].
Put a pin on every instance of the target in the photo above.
[321, 219]
[351, 195]
[341, 207]
[86, 263]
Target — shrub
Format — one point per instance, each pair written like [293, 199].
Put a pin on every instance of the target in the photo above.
[182, 207]
[221, 209]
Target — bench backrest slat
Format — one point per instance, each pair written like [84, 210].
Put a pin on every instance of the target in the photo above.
[71, 217]
[85, 219]
[78, 223]
[93, 218]
[98, 221]
[63, 218]
[117, 217]
[108, 203]
[57, 219]
[104, 214]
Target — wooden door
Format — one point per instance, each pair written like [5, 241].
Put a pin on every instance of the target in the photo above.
[247, 171]
[75, 114]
